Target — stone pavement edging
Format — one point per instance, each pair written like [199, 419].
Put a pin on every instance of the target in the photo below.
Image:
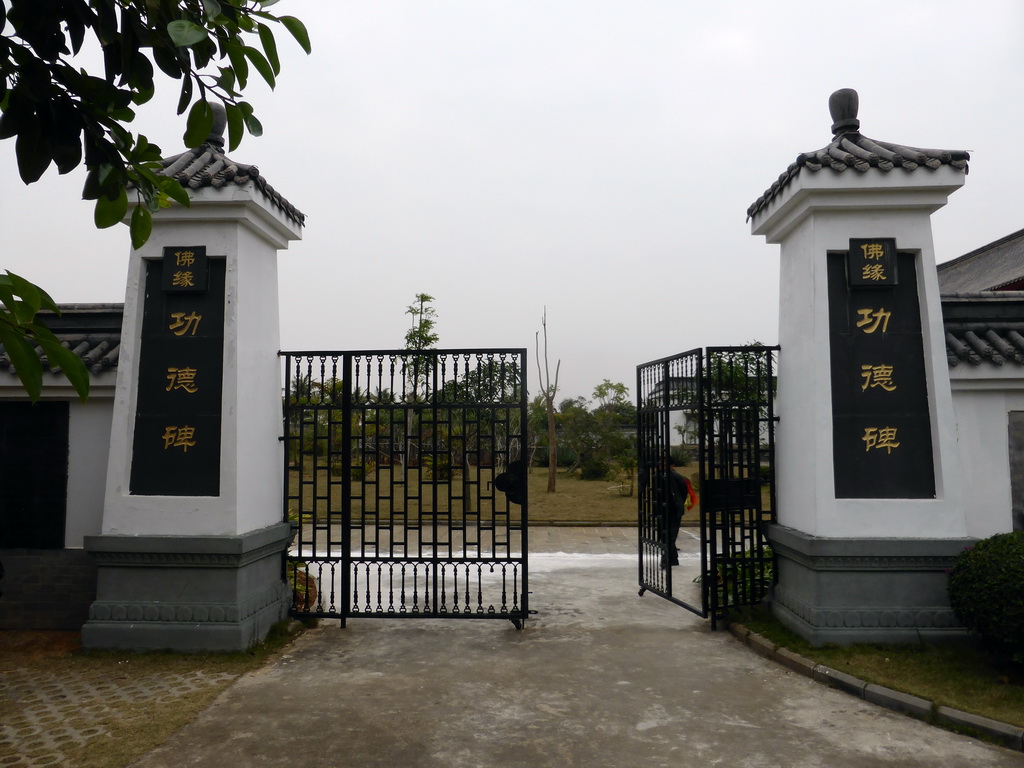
[1008, 735]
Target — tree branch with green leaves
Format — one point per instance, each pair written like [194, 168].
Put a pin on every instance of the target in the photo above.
[60, 114]
[20, 302]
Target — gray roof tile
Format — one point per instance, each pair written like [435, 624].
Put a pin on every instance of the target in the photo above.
[850, 150]
[91, 331]
[984, 327]
[988, 268]
[208, 166]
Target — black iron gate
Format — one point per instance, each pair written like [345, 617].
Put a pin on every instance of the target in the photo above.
[405, 483]
[711, 411]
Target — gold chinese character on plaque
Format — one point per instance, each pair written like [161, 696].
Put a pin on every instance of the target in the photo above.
[182, 323]
[874, 272]
[877, 376]
[879, 438]
[179, 437]
[182, 378]
[183, 279]
[184, 258]
[871, 319]
[873, 250]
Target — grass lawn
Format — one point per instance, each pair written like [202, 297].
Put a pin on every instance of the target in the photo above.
[575, 500]
[962, 676]
[591, 502]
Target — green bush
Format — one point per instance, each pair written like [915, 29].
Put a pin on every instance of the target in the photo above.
[986, 590]
[594, 468]
[680, 456]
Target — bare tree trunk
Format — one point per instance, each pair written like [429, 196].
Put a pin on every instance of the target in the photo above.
[552, 449]
[549, 391]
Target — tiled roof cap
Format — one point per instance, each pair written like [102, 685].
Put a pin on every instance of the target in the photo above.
[208, 166]
[851, 150]
[91, 331]
[988, 268]
[984, 327]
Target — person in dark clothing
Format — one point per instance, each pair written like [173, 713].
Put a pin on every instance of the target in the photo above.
[674, 507]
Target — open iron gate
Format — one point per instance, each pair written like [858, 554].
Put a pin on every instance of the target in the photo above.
[404, 483]
[713, 409]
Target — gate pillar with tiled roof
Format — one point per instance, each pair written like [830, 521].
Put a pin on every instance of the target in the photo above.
[189, 554]
[870, 513]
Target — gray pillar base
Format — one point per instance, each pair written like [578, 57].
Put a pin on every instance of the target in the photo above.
[187, 593]
[846, 591]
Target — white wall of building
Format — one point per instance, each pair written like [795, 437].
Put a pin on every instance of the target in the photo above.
[88, 447]
[983, 397]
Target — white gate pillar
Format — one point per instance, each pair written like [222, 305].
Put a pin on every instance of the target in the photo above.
[190, 551]
[870, 513]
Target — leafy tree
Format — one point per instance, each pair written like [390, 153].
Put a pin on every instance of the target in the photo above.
[580, 429]
[416, 369]
[58, 113]
[421, 334]
[613, 402]
[599, 433]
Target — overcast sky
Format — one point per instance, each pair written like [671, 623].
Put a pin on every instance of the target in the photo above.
[591, 156]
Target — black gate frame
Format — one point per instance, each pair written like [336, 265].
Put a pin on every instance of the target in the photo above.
[729, 393]
[405, 484]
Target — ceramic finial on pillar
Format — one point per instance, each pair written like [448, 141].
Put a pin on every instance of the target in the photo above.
[844, 105]
[220, 121]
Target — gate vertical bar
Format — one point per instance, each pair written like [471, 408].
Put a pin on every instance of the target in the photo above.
[665, 450]
[706, 531]
[346, 487]
[708, 509]
[524, 508]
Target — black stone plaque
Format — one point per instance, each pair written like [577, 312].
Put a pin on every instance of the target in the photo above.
[185, 269]
[176, 448]
[881, 428]
[872, 263]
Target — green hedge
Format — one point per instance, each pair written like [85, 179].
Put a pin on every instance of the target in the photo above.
[986, 589]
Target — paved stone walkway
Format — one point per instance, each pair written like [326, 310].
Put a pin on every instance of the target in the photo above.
[43, 713]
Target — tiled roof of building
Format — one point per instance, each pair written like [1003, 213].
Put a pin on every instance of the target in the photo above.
[984, 327]
[850, 150]
[208, 166]
[988, 268]
[91, 331]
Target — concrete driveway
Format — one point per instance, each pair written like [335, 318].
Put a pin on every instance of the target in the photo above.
[600, 678]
